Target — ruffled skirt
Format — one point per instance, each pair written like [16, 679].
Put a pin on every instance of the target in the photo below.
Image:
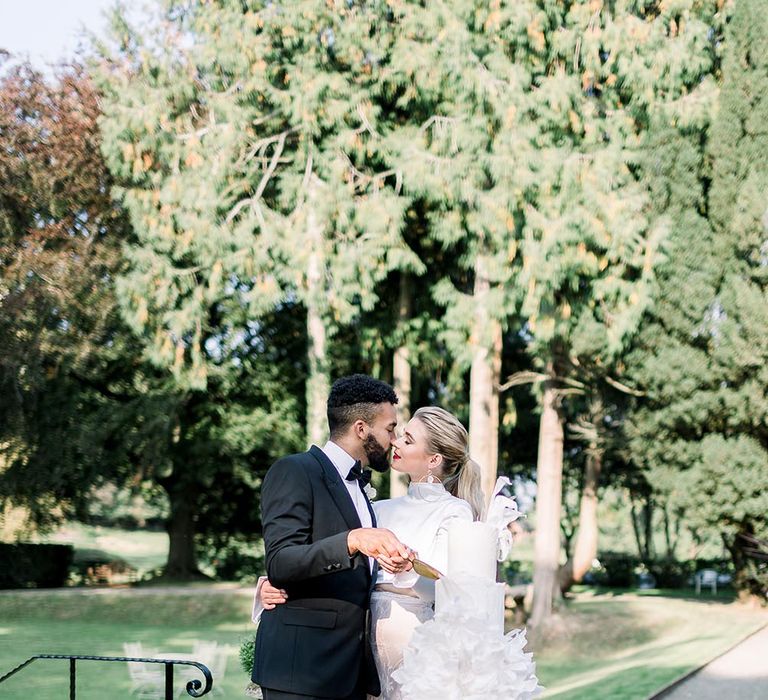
[455, 657]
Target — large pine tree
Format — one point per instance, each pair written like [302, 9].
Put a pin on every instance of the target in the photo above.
[699, 434]
[734, 456]
[252, 169]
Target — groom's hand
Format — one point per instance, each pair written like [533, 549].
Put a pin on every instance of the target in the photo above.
[271, 596]
[381, 544]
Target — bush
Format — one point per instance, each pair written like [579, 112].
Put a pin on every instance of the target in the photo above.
[516, 572]
[246, 654]
[94, 567]
[25, 565]
[237, 560]
[617, 569]
[670, 573]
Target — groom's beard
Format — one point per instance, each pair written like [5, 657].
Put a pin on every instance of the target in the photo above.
[378, 456]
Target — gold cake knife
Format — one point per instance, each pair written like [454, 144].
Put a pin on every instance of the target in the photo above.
[425, 570]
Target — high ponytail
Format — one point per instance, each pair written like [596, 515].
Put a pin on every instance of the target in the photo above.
[447, 437]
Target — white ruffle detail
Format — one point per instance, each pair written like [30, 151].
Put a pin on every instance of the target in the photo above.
[502, 510]
[453, 657]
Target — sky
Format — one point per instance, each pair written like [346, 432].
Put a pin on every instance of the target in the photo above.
[47, 30]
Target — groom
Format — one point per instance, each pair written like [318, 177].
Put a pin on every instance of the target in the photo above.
[322, 546]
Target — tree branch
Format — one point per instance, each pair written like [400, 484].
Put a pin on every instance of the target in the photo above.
[521, 378]
[623, 387]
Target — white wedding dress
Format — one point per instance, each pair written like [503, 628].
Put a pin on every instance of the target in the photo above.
[418, 519]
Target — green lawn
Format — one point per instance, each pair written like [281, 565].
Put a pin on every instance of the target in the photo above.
[98, 623]
[624, 646]
[616, 646]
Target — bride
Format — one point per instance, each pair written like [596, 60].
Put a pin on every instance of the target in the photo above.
[445, 485]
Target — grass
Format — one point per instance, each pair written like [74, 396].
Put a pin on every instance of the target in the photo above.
[625, 646]
[99, 622]
[617, 646]
[605, 644]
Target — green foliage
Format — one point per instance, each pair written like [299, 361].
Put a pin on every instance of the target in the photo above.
[700, 434]
[232, 154]
[81, 406]
[60, 236]
[239, 559]
[618, 569]
[246, 655]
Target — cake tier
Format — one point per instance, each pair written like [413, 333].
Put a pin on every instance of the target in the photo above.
[472, 549]
[466, 597]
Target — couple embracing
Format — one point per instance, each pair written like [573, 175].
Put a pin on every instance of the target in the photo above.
[343, 600]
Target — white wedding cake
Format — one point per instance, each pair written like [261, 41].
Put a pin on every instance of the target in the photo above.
[469, 587]
[463, 653]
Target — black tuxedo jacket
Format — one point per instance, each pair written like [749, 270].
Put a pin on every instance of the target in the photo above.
[317, 643]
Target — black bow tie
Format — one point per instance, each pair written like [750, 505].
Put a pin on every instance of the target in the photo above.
[362, 475]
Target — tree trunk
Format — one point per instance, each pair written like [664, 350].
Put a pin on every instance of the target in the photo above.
[549, 488]
[484, 379]
[636, 528]
[318, 381]
[182, 556]
[642, 524]
[650, 550]
[401, 373]
[670, 540]
[747, 587]
[585, 549]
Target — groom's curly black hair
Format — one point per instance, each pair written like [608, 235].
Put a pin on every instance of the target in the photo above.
[356, 397]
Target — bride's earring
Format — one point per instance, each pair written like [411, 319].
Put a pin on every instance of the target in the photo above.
[430, 477]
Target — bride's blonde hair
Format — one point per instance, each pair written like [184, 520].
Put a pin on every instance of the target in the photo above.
[447, 437]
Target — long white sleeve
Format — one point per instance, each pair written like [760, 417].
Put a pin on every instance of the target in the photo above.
[419, 520]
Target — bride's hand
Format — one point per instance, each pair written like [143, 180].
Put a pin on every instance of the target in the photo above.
[271, 596]
[396, 565]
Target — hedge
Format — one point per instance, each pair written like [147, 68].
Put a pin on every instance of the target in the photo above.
[24, 565]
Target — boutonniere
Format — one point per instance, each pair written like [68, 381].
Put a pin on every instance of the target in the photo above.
[369, 491]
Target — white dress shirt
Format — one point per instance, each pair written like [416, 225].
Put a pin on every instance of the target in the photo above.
[343, 463]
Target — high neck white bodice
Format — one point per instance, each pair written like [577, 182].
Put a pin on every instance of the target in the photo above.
[419, 519]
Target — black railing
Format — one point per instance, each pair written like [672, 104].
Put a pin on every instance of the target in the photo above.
[195, 688]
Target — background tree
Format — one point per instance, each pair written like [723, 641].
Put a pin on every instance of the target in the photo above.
[461, 145]
[81, 405]
[735, 458]
[692, 442]
[59, 249]
[298, 204]
[707, 409]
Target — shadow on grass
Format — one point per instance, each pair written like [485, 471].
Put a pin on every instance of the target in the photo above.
[725, 597]
[611, 623]
[125, 606]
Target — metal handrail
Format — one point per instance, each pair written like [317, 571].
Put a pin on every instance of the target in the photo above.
[194, 687]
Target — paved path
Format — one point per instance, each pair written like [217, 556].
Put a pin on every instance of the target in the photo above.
[739, 674]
